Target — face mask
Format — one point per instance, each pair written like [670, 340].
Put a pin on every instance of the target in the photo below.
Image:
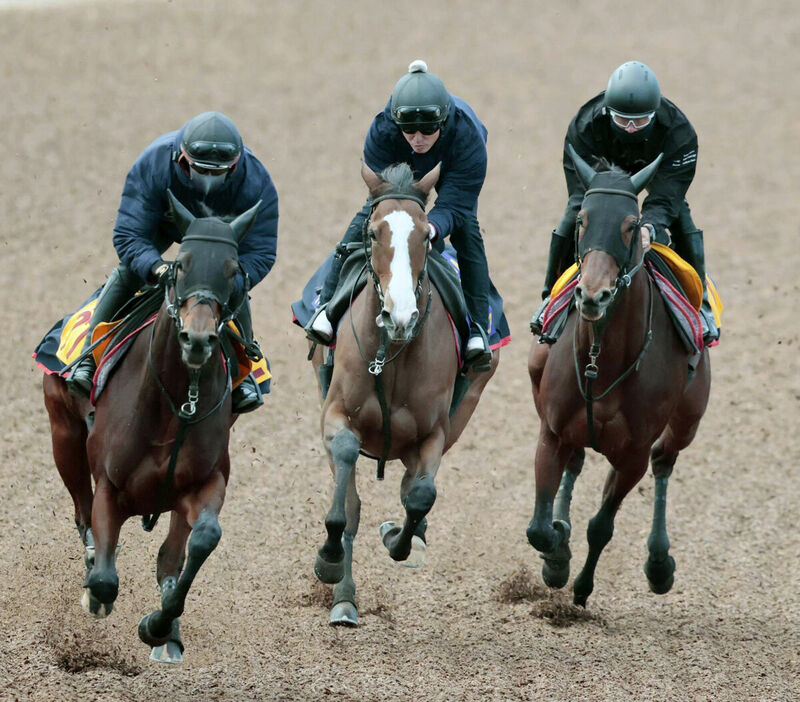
[207, 183]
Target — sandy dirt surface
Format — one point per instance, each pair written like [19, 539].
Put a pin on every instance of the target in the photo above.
[85, 87]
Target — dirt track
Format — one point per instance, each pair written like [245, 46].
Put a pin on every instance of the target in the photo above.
[86, 87]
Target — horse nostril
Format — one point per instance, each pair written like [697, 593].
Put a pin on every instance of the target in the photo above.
[603, 297]
[183, 338]
[414, 317]
[578, 293]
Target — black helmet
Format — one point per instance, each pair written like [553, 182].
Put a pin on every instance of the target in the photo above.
[211, 140]
[420, 100]
[632, 90]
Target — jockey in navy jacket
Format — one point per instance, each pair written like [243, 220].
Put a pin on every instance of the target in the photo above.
[461, 148]
[143, 232]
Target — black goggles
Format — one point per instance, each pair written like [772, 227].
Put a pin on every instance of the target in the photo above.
[212, 154]
[426, 119]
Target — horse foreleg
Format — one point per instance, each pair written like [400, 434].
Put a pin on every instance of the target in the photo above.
[329, 566]
[418, 493]
[201, 510]
[619, 483]
[171, 557]
[102, 583]
[547, 532]
[344, 611]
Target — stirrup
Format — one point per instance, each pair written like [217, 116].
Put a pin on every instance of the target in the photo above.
[247, 397]
[478, 359]
[315, 335]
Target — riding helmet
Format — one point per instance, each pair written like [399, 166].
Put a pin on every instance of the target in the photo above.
[633, 90]
[211, 140]
[419, 98]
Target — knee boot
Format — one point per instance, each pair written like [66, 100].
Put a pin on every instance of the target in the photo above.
[247, 395]
[558, 261]
[119, 288]
[693, 250]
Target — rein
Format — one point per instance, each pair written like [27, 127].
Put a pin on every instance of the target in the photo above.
[375, 366]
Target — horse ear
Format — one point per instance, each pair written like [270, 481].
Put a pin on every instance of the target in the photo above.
[180, 215]
[371, 178]
[241, 225]
[426, 183]
[642, 178]
[585, 171]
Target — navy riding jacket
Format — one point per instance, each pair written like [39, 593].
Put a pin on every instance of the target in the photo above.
[461, 148]
[143, 230]
[593, 136]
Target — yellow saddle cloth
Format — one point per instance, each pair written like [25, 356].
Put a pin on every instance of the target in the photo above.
[77, 326]
[686, 275]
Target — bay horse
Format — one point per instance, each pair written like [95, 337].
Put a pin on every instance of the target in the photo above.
[615, 380]
[405, 360]
[159, 437]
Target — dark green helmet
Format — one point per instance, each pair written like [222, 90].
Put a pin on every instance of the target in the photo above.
[420, 100]
[632, 90]
[211, 140]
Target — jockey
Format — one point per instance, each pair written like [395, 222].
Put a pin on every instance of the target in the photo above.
[212, 173]
[629, 125]
[423, 125]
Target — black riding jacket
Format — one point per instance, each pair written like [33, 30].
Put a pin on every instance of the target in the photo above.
[594, 136]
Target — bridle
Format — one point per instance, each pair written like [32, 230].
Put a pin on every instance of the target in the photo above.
[174, 302]
[623, 281]
[376, 366]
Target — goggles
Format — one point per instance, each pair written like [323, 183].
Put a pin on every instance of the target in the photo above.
[210, 154]
[626, 121]
[427, 119]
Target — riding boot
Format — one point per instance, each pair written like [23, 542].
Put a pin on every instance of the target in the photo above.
[557, 263]
[320, 329]
[691, 248]
[119, 288]
[478, 356]
[247, 396]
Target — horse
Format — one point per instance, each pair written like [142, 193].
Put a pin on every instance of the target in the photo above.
[158, 437]
[393, 382]
[616, 381]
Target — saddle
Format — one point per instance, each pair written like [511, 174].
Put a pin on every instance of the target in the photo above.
[676, 281]
[62, 346]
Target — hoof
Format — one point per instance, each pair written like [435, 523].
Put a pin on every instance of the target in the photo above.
[344, 614]
[328, 573]
[94, 607]
[660, 574]
[416, 559]
[555, 573]
[170, 652]
[388, 529]
[148, 636]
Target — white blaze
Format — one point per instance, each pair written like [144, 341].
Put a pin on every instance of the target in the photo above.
[401, 285]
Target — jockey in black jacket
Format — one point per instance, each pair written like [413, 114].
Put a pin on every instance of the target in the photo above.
[424, 125]
[629, 125]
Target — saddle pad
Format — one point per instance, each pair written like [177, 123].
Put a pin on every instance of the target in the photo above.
[499, 333]
[62, 346]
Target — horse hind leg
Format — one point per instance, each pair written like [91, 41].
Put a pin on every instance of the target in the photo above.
[329, 565]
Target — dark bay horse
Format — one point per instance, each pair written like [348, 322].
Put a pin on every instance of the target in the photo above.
[615, 380]
[397, 333]
[159, 439]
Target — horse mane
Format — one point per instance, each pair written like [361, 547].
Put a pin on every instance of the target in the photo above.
[606, 166]
[399, 179]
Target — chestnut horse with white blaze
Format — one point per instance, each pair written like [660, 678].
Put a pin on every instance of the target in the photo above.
[393, 382]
